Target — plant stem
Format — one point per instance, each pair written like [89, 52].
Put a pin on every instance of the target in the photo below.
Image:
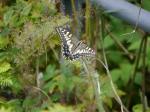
[120, 44]
[144, 72]
[87, 20]
[94, 77]
[37, 72]
[106, 64]
[131, 82]
[75, 19]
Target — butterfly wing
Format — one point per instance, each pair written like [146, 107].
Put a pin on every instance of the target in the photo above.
[68, 42]
[72, 48]
[83, 50]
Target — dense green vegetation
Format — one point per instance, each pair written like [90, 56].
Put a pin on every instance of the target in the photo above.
[35, 78]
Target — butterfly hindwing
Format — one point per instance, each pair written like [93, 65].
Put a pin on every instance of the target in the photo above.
[72, 48]
[83, 50]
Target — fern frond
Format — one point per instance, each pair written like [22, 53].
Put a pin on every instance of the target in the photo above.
[4, 67]
[6, 79]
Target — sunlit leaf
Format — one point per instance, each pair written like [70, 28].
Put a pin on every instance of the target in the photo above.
[4, 66]
[61, 108]
[139, 108]
[3, 109]
[134, 45]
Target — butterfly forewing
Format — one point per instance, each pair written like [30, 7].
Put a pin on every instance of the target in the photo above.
[67, 38]
[72, 48]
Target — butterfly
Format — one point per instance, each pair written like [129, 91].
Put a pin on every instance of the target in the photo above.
[72, 48]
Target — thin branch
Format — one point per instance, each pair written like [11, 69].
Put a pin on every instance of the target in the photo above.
[106, 64]
[37, 72]
[113, 87]
[87, 20]
[144, 72]
[120, 44]
[75, 15]
[131, 82]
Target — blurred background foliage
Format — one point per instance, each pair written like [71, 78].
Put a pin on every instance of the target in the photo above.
[35, 78]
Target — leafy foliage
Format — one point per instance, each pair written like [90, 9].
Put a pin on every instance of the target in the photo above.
[58, 107]
[35, 78]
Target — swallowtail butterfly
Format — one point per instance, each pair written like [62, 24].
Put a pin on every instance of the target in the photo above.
[72, 48]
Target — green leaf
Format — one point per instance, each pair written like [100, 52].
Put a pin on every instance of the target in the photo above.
[26, 10]
[5, 31]
[7, 16]
[61, 108]
[115, 57]
[139, 108]
[108, 42]
[50, 72]
[134, 45]
[3, 109]
[126, 72]
[6, 79]
[29, 102]
[138, 78]
[15, 104]
[56, 97]
[4, 66]
[4, 41]
[114, 22]
[106, 87]
[50, 86]
[146, 4]
[115, 74]
[108, 101]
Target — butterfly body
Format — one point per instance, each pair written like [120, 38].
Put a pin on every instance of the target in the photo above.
[72, 48]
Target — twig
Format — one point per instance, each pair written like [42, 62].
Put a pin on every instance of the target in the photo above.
[87, 20]
[75, 15]
[106, 65]
[113, 87]
[56, 56]
[120, 44]
[37, 72]
[45, 51]
[131, 82]
[144, 72]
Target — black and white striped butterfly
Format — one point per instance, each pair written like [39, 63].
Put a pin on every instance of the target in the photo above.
[72, 48]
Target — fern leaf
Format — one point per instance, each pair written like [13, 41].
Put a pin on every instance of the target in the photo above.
[6, 79]
[4, 67]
